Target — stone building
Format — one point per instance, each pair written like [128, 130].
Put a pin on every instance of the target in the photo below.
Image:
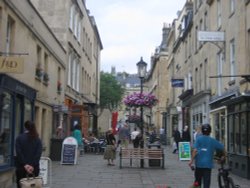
[72, 24]
[156, 82]
[31, 93]
[49, 73]
[211, 55]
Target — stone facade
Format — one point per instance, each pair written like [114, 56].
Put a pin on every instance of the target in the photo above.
[52, 53]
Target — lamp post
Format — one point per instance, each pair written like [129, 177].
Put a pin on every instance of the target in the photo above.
[141, 67]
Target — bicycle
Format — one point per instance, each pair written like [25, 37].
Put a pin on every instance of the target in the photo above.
[224, 180]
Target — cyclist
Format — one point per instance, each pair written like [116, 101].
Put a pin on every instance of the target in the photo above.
[203, 153]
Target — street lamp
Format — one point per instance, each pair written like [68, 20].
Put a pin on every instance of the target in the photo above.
[142, 68]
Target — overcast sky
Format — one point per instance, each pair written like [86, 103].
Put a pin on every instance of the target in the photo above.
[130, 29]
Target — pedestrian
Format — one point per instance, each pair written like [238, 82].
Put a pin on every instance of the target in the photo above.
[197, 132]
[28, 152]
[134, 137]
[177, 139]
[186, 137]
[110, 151]
[124, 135]
[203, 154]
[77, 134]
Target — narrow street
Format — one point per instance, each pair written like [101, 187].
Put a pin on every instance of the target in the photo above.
[93, 172]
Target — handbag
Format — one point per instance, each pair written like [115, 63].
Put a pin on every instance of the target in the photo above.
[31, 182]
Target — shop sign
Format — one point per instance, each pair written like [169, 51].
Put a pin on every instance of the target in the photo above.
[177, 82]
[11, 64]
[211, 36]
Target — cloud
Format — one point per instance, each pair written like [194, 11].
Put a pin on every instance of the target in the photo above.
[130, 29]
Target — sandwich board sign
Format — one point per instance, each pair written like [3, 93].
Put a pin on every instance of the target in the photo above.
[184, 151]
[69, 151]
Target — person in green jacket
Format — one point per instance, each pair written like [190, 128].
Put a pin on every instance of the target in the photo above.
[77, 134]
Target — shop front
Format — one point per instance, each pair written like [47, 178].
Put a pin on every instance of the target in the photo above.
[238, 118]
[16, 106]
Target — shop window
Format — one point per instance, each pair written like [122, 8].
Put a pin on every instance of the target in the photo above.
[231, 133]
[27, 110]
[5, 128]
[248, 134]
[243, 134]
[10, 35]
[237, 134]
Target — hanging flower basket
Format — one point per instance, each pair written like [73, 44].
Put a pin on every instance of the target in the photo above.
[140, 99]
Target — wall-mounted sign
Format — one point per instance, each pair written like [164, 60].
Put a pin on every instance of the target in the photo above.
[211, 36]
[11, 64]
[177, 82]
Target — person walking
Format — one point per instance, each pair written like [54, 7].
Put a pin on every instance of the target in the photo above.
[186, 137]
[110, 151]
[77, 134]
[203, 154]
[197, 132]
[28, 152]
[124, 135]
[177, 138]
[134, 137]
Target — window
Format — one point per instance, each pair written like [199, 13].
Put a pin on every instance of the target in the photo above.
[77, 87]
[243, 133]
[219, 72]
[39, 56]
[232, 6]
[196, 39]
[219, 13]
[72, 15]
[79, 30]
[27, 110]
[232, 59]
[74, 71]
[231, 133]
[201, 78]
[205, 21]
[205, 74]
[5, 128]
[76, 17]
[237, 134]
[196, 81]
[9, 35]
[190, 80]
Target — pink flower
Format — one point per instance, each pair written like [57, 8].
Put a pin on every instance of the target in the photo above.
[140, 99]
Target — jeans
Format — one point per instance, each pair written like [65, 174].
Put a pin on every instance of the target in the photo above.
[203, 175]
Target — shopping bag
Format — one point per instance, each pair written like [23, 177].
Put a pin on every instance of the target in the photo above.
[174, 146]
[31, 182]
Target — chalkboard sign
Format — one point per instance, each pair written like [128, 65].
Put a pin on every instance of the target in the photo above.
[69, 151]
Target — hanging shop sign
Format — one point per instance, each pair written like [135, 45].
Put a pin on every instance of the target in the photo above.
[177, 82]
[11, 64]
[211, 36]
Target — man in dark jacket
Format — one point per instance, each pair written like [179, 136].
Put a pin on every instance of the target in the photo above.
[177, 138]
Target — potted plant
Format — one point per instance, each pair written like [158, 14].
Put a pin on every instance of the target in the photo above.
[46, 77]
[39, 72]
